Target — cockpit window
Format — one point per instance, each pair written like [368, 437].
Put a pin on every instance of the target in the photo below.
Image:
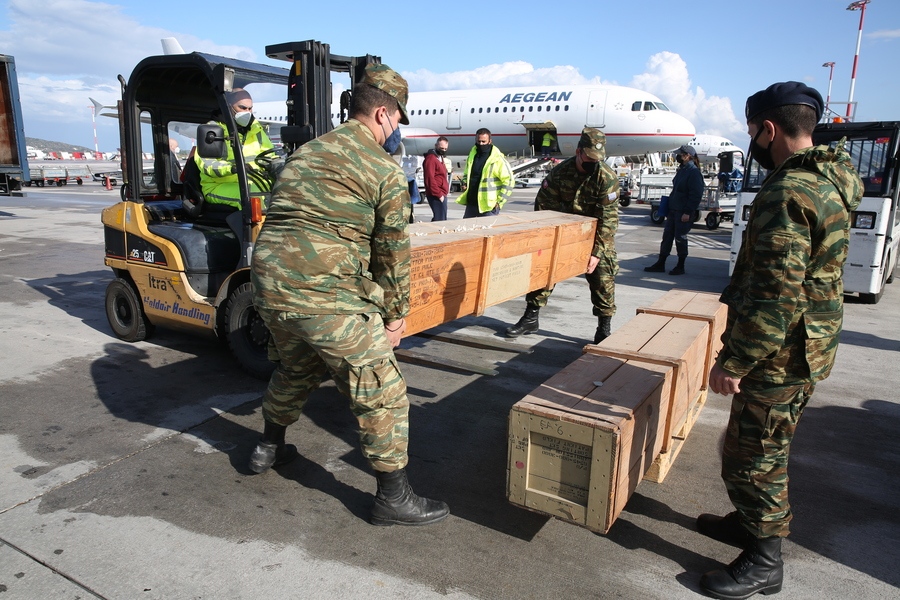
[636, 106]
[649, 106]
[661, 106]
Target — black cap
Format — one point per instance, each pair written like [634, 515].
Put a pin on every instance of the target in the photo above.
[783, 94]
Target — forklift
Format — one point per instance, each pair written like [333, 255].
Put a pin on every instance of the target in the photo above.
[181, 263]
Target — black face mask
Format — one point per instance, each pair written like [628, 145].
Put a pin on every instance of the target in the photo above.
[762, 155]
[485, 149]
[440, 151]
[678, 159]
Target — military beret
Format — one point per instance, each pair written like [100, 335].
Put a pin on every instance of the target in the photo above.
[686, 149]
[390, 82]
[783, 94]
[593, 143]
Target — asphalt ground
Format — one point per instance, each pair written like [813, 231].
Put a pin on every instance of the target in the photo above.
[123, 466]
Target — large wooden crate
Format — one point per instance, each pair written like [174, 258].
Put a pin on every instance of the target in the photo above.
[701, 306]
[581, 442]
[679, 343]
[460, 268]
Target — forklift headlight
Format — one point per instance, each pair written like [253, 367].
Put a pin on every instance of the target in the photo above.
[863, 220]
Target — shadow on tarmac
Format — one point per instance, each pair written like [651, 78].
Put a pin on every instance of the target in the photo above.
[458, 444]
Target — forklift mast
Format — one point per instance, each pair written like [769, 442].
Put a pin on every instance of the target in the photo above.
[309, 87]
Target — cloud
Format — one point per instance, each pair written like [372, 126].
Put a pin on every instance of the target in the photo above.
[884, 34]
[80, 55]
[508, 74]
[667, 77]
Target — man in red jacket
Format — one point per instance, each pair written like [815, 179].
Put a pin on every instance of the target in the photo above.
[437, 184]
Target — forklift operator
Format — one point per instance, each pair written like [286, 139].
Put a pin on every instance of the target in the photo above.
[218, 179]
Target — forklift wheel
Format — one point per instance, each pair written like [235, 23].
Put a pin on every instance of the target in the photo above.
[125, 312]
[247, 334]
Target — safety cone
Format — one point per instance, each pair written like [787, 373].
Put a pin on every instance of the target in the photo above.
[108, 182]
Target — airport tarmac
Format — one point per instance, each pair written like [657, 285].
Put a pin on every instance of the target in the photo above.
[123, 466]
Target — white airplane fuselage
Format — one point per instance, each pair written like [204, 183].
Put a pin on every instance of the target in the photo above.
[634, 122]
[708, 147]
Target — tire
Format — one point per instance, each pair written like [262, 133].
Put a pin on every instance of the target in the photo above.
[623, 202]
[246, 333]
[712, 221]
[123, 192]
[655, 217]
[696, 216]
[125, 312]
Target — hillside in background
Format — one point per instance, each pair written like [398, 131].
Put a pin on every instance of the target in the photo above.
[48, 146]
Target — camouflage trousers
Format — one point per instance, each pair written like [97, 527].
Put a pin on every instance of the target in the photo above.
[755, 455]
[602, 283]
[359, 357]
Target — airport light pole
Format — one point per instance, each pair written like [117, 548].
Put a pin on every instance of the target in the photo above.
[830, 79]
[859, 5]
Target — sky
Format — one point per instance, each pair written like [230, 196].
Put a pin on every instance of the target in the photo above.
[702, 58]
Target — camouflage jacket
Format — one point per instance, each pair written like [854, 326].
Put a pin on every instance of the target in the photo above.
[596, 195]
[336, 239]
[785, 299]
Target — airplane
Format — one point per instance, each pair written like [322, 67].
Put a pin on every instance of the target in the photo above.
[709, 147]
[34, 153]
[635, 122]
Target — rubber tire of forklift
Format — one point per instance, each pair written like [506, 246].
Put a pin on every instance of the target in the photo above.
[655, 217]
[125, 312]
[246, 333]
[712, 221]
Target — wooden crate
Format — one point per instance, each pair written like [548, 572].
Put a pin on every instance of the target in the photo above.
[460, 268]
[702, 306]
[679, 343]
[581, 442]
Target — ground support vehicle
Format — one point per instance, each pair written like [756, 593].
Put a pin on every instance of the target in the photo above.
[875, 224]
[178, 261]
[58, 175]
[717, 206]
[13, 150]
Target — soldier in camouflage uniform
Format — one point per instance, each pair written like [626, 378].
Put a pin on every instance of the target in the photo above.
[583, 185]
[785, 308]
[331, 276]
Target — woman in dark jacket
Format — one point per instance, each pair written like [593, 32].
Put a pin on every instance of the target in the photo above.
[684, 200]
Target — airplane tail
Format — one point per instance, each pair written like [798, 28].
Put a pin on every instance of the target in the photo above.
[97, 106]
[171, 46]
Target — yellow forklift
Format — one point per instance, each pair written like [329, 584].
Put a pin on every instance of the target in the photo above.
[179, 262]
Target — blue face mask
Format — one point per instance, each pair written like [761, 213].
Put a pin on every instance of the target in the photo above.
[391, 142]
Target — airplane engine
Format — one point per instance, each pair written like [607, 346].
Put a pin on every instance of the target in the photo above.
[418, 140]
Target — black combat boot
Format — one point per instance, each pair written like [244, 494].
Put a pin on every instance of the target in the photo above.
[659, 266]
[527, 324]
[603, 329]
[758, 569]
[727, 529]
[679, 268]
[271, 451]
[397, 504]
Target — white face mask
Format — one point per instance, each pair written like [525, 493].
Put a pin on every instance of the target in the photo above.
[243, 118]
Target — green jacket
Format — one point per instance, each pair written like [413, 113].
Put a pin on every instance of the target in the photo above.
[595, 195]
[497, 182]
[335, 239]
[786, 296]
